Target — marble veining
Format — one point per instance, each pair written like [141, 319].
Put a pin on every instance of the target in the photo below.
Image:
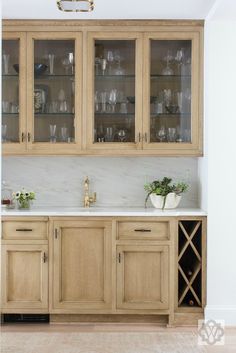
[118, 181]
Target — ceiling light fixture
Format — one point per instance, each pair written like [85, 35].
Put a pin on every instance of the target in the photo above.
[75, 5]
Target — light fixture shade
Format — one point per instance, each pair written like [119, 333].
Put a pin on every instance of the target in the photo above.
[75, 5]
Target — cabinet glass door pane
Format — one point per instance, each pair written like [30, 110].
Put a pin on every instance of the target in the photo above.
[10, 91]
[170, 91]
[54, 85]
[114, 91]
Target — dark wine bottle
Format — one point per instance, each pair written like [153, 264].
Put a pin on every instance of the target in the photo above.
[191, 302]
[189, 273]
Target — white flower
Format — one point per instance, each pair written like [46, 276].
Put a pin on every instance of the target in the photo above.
[18, 193]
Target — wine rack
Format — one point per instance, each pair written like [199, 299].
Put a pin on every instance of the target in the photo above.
[191, 264]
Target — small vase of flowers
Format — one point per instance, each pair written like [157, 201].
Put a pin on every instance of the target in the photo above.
[24, 198]
[164, 194]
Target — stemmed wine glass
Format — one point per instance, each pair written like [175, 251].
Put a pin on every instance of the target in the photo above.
[68, 63]
[110, 59]
[179, 58]
[161, 134]
[117, 57]
[121, 135]
[168, 70]
[113, 99]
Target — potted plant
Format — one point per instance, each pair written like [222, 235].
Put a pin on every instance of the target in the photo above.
[24, 198]
[164, 194]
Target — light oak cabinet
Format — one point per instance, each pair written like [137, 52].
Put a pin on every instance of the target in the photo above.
[81, 266]
[105, 265]
[97, 89]
[24, 278]
[143, 277]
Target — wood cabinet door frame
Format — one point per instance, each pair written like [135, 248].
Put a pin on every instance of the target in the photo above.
[81, 306]
[36, 306]
[60, 147]
[147, 305]
[19, 147]
[176, 149]
[88, 123]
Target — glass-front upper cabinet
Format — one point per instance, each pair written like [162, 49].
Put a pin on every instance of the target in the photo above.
[114, 95]
[56, 75]
[171, 106]
[13, 92]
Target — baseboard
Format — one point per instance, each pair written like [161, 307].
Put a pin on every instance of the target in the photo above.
[226, 313]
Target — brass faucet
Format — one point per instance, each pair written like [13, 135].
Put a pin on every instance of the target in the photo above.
[88, 199]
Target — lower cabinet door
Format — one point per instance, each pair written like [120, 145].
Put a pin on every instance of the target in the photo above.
[24, 278]
[82, 266]
[142, 277]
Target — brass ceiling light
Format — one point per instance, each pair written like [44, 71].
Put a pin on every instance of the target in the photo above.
[75, 5]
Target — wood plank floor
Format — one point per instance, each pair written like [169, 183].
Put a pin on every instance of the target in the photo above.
[107, 338]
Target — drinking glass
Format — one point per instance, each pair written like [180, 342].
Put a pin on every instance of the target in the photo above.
[6, 59]
[123, 108]
[96, 101]
[171, 134]
[97, 63]
[51, 58]
[5, 107]
[52, 129]
[104, 101]
[113, 99]
[103, 66]
[4, 133]
[109, 134]
[71, 62]
[64, 134]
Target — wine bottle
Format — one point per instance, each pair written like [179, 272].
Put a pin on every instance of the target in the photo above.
[191, 302]
[189, 272]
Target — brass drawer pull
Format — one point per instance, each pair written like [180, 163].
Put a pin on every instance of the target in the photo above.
[142, 230]
[24, 230]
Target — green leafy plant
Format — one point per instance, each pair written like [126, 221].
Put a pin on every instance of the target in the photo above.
[163, 188]
[23, 197]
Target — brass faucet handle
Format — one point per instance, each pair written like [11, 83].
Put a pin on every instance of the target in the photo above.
[93, 198]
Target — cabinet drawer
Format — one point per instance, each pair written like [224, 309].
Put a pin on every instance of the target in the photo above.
[143, 230]
[24, 230]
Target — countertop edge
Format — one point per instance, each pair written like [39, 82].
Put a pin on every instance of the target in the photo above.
[150, 212]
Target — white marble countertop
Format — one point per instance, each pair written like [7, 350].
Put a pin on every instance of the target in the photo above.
[103, 212]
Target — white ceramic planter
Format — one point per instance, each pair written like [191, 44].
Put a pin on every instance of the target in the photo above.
[172, 200]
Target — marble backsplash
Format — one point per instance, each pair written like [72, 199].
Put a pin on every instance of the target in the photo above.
[58, 181]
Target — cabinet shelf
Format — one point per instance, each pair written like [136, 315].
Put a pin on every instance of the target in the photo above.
[10, 76]
[10, 114]
[116, 114]
[53, 114]
[170, 115]
[171, 76]
[114, 76]
[52, 77]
